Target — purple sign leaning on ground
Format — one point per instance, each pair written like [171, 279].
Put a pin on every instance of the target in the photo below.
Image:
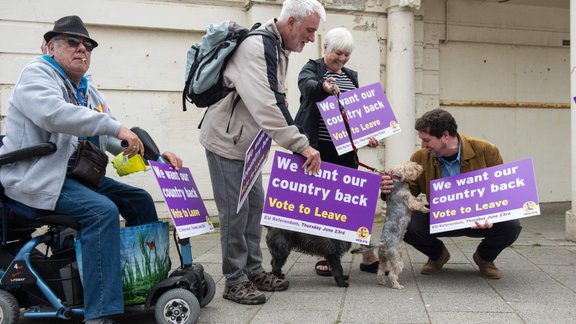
[337, 202]
[496, 194]
[183, 200]
[256, 156]
[368, 113]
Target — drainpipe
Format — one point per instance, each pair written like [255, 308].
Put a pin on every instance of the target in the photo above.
[400, 79]
[571, 214]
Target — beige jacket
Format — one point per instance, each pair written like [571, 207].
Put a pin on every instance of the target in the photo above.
[258, 73]
[476, 154]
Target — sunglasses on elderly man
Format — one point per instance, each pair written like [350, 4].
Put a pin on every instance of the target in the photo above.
[75, 42]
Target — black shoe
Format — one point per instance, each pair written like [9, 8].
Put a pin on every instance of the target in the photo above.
[372, 267]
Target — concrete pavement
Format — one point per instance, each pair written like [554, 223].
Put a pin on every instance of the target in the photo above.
[538, 285]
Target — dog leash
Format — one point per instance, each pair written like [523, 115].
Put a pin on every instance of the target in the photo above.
[347, 125]
[392, 176]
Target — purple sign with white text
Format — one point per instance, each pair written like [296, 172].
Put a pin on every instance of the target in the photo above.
[337, 202]
[256, 156]
[368, 113]
[496, 194]
[183, 200]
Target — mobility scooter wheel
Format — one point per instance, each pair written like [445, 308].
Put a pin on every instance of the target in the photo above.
[209, 291]
[177, 306]
[9, 309]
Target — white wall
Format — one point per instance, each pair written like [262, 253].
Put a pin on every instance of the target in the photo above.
[139, 66]
[492, 62]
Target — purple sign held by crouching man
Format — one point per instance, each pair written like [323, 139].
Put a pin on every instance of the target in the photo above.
[337, 202]
[368, 113]
[183, 199]
[494, 194]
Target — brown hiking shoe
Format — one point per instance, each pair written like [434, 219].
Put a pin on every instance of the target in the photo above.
[267, 281]
[433, 266]
[244, 293]
[487, 269]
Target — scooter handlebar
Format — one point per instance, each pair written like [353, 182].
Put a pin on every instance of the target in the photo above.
[151, 151]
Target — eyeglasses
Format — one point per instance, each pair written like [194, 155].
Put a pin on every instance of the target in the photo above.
[75, 42]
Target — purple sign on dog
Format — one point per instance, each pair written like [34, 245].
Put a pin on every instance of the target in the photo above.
[368, 113]
[183, 199]
[496, 194]
[337, 202]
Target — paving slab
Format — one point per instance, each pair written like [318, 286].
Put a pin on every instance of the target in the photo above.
[538, 285]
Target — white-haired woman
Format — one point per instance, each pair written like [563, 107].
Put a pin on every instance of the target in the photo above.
[317, 80]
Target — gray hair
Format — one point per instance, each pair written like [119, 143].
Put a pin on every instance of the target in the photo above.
[300, 9]
[339, 39]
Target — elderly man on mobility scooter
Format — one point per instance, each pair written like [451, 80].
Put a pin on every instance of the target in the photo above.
[53, 101]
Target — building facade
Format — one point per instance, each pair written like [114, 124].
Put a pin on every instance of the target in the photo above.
[502, 68]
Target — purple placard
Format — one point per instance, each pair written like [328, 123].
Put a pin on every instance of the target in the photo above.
[368, 112]
[256, 156]
[183, 200]
[337, 202]
[497, 194]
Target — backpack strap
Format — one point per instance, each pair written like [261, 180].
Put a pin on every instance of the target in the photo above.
[184, 99]
[203, 116]
[252, 32]
[236, 101]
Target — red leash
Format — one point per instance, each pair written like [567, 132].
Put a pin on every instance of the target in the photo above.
[347, 125]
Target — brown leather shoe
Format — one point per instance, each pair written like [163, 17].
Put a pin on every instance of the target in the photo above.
[487, 269]
[433, 266]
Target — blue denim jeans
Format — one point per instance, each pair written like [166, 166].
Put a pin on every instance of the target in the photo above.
[98, 211]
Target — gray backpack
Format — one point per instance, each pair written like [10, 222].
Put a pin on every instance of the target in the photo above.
[206, 62]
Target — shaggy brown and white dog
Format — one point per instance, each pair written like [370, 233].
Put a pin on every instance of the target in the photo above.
[399, 206]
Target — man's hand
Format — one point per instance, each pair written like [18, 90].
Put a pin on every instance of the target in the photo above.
[386, 184]
[173, 159]
[478, 225]
[135, 145]
[312, 163]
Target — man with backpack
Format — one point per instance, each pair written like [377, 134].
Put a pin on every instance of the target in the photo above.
[257, 73]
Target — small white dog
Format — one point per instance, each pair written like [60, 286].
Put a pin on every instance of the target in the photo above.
[399, 206]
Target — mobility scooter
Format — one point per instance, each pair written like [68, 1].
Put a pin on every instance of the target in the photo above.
[39, 271]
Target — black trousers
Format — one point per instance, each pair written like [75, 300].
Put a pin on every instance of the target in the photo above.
[496, 239]
[328, 153]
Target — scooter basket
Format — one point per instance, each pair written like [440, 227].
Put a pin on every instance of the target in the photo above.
[61, 274]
